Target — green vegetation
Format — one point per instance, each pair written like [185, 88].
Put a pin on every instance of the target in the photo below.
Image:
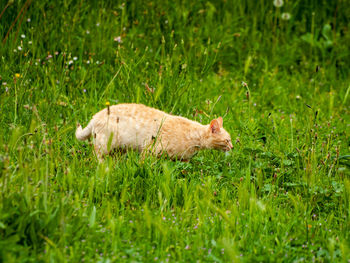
[282, 85]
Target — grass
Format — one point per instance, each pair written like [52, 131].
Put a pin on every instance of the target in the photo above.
[281, 195]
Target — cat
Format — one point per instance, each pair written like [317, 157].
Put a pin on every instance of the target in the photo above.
[148, 130]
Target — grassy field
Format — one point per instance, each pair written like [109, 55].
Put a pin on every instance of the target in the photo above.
[278, 75]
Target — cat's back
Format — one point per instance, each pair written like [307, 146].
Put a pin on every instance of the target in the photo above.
[138, 112]
[131, 111]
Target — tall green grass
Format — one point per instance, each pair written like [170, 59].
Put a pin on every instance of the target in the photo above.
[282, 193]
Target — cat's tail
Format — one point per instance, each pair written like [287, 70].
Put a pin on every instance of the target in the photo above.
[83, 134]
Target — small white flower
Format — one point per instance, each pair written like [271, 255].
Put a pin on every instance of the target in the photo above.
[28, 20]
[88, 62]
[278, 3]
[23, 36]
[97, 62]
[19, 48]
[285, 16]
[70, 62]
[87, 32]
[30, 42]
[98, 24]
[75, 58]
[166, 21]
[4, 83]
[118, 39]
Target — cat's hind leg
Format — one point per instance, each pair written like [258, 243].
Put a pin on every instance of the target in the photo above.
[98, 153]
[100, 146]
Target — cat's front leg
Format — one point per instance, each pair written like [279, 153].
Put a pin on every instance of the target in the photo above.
[153, 147]
[149, 150]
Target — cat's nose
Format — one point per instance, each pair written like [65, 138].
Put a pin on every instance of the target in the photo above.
[230, 145]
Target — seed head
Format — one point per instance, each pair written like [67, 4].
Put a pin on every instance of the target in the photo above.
[285, 16]
[278, 3]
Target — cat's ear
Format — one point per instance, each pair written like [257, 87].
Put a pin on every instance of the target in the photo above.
[214, 126]
[220, 120]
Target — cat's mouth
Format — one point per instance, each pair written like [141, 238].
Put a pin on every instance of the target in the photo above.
[227, 148]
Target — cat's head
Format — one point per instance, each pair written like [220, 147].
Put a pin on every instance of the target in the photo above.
[217, 137]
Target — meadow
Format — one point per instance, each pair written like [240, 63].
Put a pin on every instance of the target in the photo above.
[278, 72]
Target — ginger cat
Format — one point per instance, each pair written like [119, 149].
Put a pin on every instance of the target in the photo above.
[146, 129]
